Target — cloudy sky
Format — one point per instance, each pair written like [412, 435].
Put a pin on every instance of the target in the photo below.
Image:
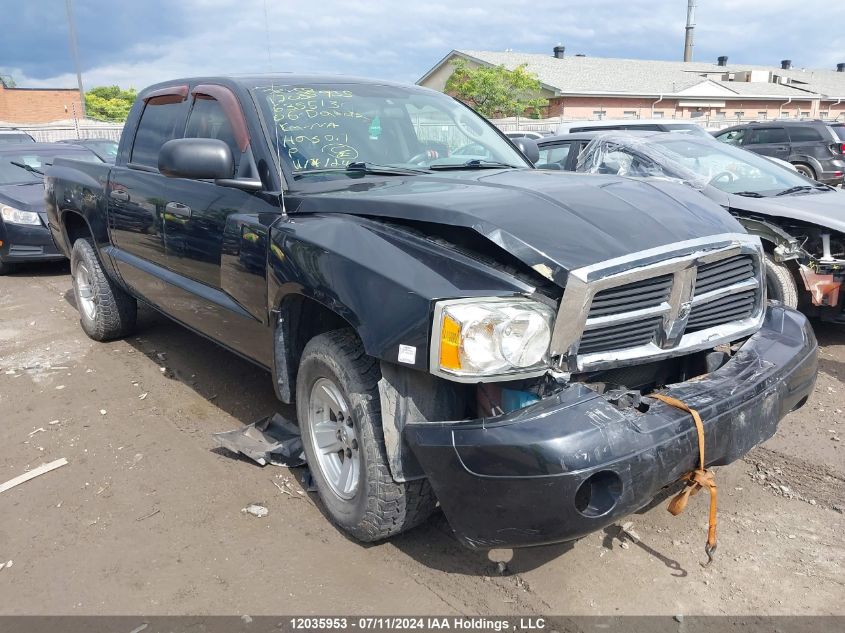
[138, 42]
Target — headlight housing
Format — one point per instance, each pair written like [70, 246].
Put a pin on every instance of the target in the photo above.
[16, 216]
[492, 338]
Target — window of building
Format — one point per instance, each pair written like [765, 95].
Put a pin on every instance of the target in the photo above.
[805, 114]
[739, 114]
[824, 114]
[159, 124]
[804, 133]
[599, 114]
[784, 115]
[719, 116]
[763, 135]
[658, 115]
[762, 116]
[629, 114]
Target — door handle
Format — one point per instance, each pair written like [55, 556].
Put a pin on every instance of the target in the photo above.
[119, 195]
[177, 208]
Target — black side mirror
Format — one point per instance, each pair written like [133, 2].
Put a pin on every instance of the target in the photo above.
[196, 158]
[529, 148]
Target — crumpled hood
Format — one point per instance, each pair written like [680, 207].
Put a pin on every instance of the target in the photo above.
[561, 220]
[822, 209]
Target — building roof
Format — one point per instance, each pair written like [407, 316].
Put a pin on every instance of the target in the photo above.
[574, 75]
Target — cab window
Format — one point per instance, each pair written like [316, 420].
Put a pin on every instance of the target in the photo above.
[160, 122]
[208, 120]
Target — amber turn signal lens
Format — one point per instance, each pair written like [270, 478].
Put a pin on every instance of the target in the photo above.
[450, 342]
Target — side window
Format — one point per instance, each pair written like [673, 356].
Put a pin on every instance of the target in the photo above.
[159, 123]
[557, 154]
[768, 135]
[804, 133]
[208, 120]
[734, 137]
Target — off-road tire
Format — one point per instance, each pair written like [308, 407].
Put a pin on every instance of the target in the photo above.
[381, 506]
[116, 310]
[780, 282]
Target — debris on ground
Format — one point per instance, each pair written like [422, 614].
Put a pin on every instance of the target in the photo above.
[501, 568]
[148, 515]
[32, 474]
[256, 510]
[627, 529]
[272, 440]
[5, 565]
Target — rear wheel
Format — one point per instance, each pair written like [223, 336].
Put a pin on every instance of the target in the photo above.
[780, 283]
[339, 413]
[106, 311]
[806, 170]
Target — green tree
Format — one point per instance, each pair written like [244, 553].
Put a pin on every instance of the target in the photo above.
[109, 103]
[496, 91]
[8, 81]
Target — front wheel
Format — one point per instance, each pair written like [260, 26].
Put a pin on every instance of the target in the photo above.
[806, 170]
[780, 283]
[106, 311]
[339, 415]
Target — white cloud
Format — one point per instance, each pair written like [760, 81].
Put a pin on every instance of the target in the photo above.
[401, 40]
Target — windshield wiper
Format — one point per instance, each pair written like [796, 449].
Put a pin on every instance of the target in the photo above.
[29, 168]
[800, 188]
[475, 163]
[374, 168]
[749, 194]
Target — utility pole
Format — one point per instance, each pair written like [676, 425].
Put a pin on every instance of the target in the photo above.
[75, 52]
[689, 30]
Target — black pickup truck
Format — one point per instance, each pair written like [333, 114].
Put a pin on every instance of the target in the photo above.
[454, 325]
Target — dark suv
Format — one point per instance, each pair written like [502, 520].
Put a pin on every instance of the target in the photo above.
[817, 149]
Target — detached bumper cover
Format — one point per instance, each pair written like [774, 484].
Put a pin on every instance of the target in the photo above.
[25, 243]
[514, 480]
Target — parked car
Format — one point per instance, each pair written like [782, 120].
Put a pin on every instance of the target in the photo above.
[645, 125]
[450, 328]
[532, 135]
[814, 147]
[24, 236]
[801, 222]
[105, 148]
[13, 135]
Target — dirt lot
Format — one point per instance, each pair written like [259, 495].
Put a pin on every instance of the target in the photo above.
[146, 518]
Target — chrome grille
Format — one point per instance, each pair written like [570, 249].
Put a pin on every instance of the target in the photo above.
[635, 296]
[660, 303]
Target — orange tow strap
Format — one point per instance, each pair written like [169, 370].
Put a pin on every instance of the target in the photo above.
[696, 479]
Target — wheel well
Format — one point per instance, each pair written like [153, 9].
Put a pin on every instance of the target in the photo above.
[75, 227]
[300, 319]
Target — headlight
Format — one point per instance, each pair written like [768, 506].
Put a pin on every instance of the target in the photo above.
[502, 338]
[16, 216]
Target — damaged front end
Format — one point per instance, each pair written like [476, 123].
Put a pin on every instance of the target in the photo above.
[543, 455]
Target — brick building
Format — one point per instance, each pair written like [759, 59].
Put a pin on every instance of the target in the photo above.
[580, 87]
[38, 105]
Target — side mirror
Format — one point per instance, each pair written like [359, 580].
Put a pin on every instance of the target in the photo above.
[529, 148]
[196, 158]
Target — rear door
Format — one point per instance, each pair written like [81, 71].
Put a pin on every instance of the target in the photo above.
[768, 141]
[137, 193]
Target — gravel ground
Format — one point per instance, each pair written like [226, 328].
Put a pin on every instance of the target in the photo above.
[146, 517]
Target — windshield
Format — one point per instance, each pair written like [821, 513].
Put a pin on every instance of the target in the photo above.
[728, 168]
[13, 174]
[323, 127]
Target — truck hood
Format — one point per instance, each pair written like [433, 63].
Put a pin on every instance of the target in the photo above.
[822, 209]
[560, 220]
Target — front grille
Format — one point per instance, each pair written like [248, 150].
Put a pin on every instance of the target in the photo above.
[723, 273]
[720, 311]
[687, 297]
[624, 336]
[638, 295]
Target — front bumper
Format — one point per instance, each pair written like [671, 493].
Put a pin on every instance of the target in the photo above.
[573, 463]
[27, 243]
